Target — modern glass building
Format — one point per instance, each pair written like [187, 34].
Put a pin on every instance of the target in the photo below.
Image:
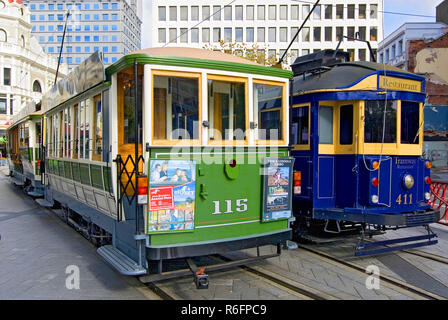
[112, 27]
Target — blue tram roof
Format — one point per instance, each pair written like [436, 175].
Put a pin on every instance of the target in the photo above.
[345, 75]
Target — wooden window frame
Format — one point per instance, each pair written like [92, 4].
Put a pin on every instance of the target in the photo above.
[177, 74]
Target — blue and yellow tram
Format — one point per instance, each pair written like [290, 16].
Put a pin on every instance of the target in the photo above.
[357, 136]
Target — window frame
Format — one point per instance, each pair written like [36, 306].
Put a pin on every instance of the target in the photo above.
[303, 147]
[284, 118]
[178, 74]
[226, 78]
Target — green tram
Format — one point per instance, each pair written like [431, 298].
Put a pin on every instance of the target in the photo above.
[24, 149]
[170, 153]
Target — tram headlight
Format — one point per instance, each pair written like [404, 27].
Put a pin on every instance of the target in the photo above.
[427, 196]
[408, 181]
[375, 199]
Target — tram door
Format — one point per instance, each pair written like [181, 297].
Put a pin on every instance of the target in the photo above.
[127, 120]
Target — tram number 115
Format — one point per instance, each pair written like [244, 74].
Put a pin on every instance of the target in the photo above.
[240, 205]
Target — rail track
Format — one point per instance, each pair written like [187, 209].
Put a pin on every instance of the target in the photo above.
[427, 255]
[402, 286]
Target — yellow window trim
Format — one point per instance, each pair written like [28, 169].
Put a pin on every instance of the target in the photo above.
[246, 107]
[284, 116]
[304, 147]
[179, 74]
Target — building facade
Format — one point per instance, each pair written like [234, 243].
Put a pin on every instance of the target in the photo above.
[110, 26]
[269, 25]
[394, 50]
[26, 72]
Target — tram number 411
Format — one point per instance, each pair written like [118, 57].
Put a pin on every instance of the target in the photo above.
[240, 206]
[404, 199]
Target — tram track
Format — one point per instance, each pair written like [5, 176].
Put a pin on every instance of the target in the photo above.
[427, 255]
[283, 282]
[392, 282]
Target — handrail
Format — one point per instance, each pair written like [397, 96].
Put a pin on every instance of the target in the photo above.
[439, 199]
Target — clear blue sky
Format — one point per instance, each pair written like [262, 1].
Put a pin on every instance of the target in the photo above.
[419, 7]
[391, 21]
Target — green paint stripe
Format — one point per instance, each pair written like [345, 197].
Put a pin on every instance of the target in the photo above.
[128, 60]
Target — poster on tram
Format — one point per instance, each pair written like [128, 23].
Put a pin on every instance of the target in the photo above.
[172, 188]
[278, 179]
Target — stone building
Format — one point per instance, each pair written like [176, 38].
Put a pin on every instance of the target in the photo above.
[26, 72]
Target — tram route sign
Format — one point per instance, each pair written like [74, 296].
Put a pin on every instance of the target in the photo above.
[278, 184]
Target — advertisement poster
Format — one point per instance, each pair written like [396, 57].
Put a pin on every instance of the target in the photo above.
[171, 196]
[278, 189]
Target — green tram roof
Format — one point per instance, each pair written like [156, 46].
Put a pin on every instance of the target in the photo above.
[343, 75]
[28, 112]
[196, 58]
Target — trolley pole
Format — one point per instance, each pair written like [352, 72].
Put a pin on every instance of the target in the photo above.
[62, 47]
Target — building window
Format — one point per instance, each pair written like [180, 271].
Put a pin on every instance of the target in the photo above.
[206, 35]
[195, 35]
[239, 34]
[3, 106]
[339, 33]
[228, 34]
[283, 12]
[272, 12]
[184, 13]
[400, 48]
[351, 11]
[373, 11]
[373, 33]
[294, 31]
[362, 33]
[173, 13]
[317, 34]
[305, 10]
[217, 13]
[362, 55]
[206, 13]
[260, 35]
[272, 32]
[328, 34]
[173, 35]
[392, 52]
[294, 12]
[351, 33]
[261, 13]
[7, 76]
[362, 11]
[339, 11]
[317, 13]
[184, 35]
[306, 34]
[328, 11]
[195, 13]
[3, 36]
[216, 34]
[283, 34]
[22, 41]
[228, 13]
[250, 13]
[250, 35]
[238, 12]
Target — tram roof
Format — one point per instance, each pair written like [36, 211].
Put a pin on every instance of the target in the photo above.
[345, 75]
[196, 58]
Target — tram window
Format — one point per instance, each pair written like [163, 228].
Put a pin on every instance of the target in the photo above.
[82, 116]
[268, 104]
[300, 132]
[60, 135]
[377, 113]
[227, 110]
[176, 108]
[76, 132]
[87, 128]
[127, 118]
[346, 125]
[325, 125]
[38, 133]
[410, 122]
[98, 124]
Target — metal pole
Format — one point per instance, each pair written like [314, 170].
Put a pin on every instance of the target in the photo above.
[298, 32]
[62, 47]
[137, 222]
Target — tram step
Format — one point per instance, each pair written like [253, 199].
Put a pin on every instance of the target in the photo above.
[121, 262]
[35, 194]
[17, 182]
[44, 203]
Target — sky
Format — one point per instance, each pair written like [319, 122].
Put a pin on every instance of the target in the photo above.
[391, 21]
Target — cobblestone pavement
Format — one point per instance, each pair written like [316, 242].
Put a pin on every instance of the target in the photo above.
[36, 248]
